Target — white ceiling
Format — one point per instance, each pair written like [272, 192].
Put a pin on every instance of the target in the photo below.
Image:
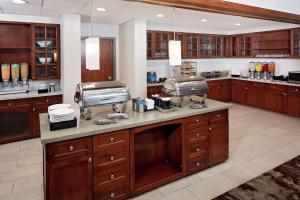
[119, 11]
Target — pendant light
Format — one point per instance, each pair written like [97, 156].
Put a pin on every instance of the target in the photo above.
[92, 47]
[174, 49]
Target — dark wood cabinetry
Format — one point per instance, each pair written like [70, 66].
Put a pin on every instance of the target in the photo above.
[245, 45]
[151, 90]
[20, 117]
[256, 94]
[219, 90]
[292, 101]
[158, 44]
[125, 163]
[32, 43]
[296, 43]
[239, 91]
[274, 97]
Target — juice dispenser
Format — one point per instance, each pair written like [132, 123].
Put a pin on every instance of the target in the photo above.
[265, 69]
[252, 70]
[15, 73]
[5, 71]
[258, 69]
[271, 70]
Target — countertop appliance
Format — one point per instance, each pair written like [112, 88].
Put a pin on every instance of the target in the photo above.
[294, 77]
[151, 77]
[187, 86]
[101, 93]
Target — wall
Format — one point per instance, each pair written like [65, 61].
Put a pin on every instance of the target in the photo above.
[133, 56]
[29, 18]
[105, 31]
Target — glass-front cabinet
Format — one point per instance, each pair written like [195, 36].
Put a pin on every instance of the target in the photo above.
[217, 45]
[204, 46]
[296, 43]
[245, 45]
[191, 48]
[46, 52]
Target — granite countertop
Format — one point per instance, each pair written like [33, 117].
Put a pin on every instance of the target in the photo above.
[89, 128]
[245, 79]
[30, 94]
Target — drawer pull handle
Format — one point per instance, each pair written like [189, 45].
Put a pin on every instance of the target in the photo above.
[210, 129]
[90, 160]
[112, 158]
[71, 148]
[198, 150]
[198, 164]
[47, 100]
[112, 195]
[112, 140]
[112, 176]
[197, 135]
[197, 120]
[218, 115]
[9, 104]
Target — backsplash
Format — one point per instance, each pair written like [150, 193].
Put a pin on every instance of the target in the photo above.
[283, 66]
[33, 85]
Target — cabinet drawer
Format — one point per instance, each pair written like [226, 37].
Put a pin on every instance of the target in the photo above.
[69, 149]
[275, 87]
[111, 158]
[102, 177]
[110, 141]
[200, 135]
[115, 190]
[48, 100]
[197, 164]
[198, 150]
[196, 123]
[256, 85]
[219, 116]
[15, 103]
[293, 90]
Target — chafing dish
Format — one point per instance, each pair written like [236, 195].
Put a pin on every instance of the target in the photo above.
[187, 86]
[101, 93]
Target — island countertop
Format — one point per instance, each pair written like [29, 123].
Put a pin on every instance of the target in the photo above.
[89, 128]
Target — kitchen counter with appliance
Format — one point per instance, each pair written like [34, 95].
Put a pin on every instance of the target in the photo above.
[266, 81]
[88, 128]
[30, 94]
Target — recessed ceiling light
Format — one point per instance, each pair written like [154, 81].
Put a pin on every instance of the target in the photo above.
[160, 15]
[204, 20]
[238, 24]
[19, 1]
[101, 9]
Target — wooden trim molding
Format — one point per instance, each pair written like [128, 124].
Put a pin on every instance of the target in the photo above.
[228, 8]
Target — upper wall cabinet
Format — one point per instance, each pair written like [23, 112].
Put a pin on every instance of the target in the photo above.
[38, 45]
[245, 45]
[45, 52]
[296, 43]
[158, 44]
[272, 44]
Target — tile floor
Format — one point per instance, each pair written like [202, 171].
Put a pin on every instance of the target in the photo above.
[259, 141]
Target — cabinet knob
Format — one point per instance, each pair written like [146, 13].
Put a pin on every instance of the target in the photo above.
[218, 115]
[198, 164]
[47, 100]
[112, 195]
[71, 148]
[112, 158]
[210, 129]
[197, 120]
[33, 109]
[109, 77]
[112, 140]
[197, 135]
[297, 90]
[90, 160]
[112, 176]
[9, 104]
[198, 150]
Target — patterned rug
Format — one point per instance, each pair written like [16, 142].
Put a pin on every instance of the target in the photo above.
[281, 183]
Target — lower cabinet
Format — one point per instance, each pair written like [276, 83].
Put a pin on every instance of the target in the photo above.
[239, 91]
[123, 164]
[292, 101]
[256, 95]
[70, 179]
[274, 101]
[219, 90]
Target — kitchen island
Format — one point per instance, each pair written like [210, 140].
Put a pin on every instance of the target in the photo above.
[135, 155]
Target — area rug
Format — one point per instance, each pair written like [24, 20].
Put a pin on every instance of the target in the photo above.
[281, 183]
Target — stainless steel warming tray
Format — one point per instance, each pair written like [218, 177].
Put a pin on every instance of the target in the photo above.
[185, 86]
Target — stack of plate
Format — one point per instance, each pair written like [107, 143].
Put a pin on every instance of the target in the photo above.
[61, 113]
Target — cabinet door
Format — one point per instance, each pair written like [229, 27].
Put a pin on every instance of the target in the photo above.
[224, 91]
[238, 94]
[218, 143]
[292, 104]
[274, 101]
[70, 179]
[15, 123]
[256, 97]
[213, 92]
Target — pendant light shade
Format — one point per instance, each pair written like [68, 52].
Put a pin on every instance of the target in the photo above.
[92, 50]
[174, 52]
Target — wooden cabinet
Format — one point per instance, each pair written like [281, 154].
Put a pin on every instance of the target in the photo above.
[219, 90]
[274, 98]
[296, 43]
[245, 45]
[16, 118]
[151, 90]
[193, 42]
[256, 94]
[218, 137]
[239, 91]
[158, 44]
[233, 46]
[292, 101]
[40, 105]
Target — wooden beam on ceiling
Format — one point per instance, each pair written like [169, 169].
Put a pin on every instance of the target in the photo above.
[228, 8]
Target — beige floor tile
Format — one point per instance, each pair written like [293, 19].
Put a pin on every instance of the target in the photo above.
[10, 148]
[243, 172]
[8, 166]
[270, 160]
[281, 140]
[29, 161]
[261, 148]
[6, 189]
[152, 195]
[31, 194]
[28, 183]
[180, 184]
[287, 151]
[274, 131]
[20, 173]
[216, 169]
[211, 187]
[180, 195]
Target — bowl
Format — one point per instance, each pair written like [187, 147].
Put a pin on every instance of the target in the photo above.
[43, 43]
[43, 60]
